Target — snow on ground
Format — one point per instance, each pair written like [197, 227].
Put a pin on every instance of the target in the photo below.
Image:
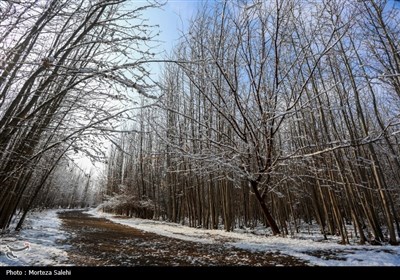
[41, 233]
[317, 252]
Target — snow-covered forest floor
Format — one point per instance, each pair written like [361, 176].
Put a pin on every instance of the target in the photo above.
[49, 239]
[44, 234]
[310, 248]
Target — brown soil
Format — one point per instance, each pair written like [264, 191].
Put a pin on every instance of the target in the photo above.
[100, 242]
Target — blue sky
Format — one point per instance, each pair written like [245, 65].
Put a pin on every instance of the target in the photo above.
[172, 18]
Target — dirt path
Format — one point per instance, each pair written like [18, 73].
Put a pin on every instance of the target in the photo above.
[99, 242]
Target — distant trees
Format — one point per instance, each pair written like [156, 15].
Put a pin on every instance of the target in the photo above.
[67, 69]
[277, 112]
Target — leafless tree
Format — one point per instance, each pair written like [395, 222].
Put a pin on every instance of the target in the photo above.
[68, 70]
[280, 112]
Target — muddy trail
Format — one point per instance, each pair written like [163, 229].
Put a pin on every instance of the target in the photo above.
[100, 242]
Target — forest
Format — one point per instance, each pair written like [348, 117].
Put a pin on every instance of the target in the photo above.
[278, 113]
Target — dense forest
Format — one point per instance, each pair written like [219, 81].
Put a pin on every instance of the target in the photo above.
[274, 112]
[70, 71]
[279, 113]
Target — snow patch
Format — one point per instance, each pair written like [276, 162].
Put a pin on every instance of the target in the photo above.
[43, 234]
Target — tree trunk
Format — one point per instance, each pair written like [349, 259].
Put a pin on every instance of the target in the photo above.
[268, 216]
